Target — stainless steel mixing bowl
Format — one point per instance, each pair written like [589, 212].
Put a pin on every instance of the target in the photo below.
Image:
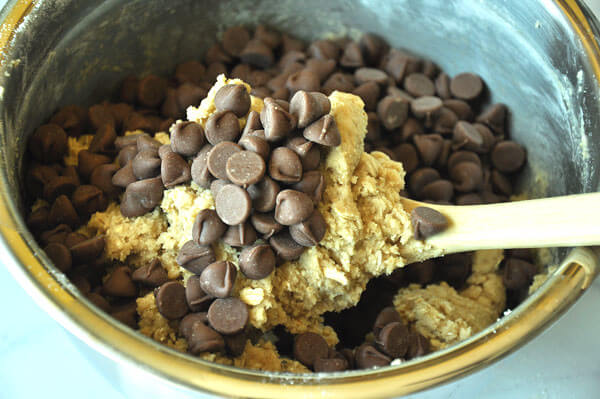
[539, 57]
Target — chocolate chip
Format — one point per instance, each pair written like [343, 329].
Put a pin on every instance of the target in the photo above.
[264, 194]
[418, 345]
[392, 112]
[324, 49]
[72, 118]
[455, 268]
[312, 184]
[88, 161]
[393, 340]
[285, 165]
[228, 315]
[142, 196]
[218, 156]
[174, 170]
[466, 86]
[442, 86]
[277, 122]
[352, 56]
[330, 365]
[364, 75]
[257, 54]
[240, 235]
[462, 110]
[222, 126]
[323, 131]
[257, 262]
[88, 200]
[126, 313]
[60, 255]
[88, 250]
[215, 54]
[150, 275]
[202, 338]
[501, 184]
[398, 65]
[462, 156]
[235, 39]
[119, 283]
[426, 107]
[517, 273]
[73, 239]
[367, 356]
[309, 106]
[207, 228]
[185, 95]
[421, 273]
[420, 178]
[194, 257]
[251, 142]
[308, 347]
[311, 231]
[427, 222]
[338, 81]
[62, 211]
[265, 224]
[467, 137]
[187, 138]
[429, 147]
[508, 156]
[57, 234]
[37, 177]
[439, 190]
[186, 323]
[236, 343]
[252, 123]
[419, 85]
[469, 199]
[467, 176]
[199, 169]
[100, 115]
[321, 68]
[38, 220]
[164, 150]
[308, 152]
[445, 121]
[216, 186]
[245, 168]
[520, 253]
[99, 301]
[128, 90]
[261, 92]
[218, 278]
[170, 300]
[137, 121]
[146, 164]
[124, 176]
[233, 204]
[494, 117]
[102, 177]
[411, 128]
[386, 316]
[292, 207]
[285, 246]
[213, 70]
[407, 155]
[125, 141]
[197, 300]
[234, 98]
[190, 71]
[151, 91]
[369, 92]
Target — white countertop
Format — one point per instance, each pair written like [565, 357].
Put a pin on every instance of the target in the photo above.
[38, 359]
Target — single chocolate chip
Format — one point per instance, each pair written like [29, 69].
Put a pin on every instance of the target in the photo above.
[421, 273]
[37, 177]
[103, 140]
[411, 128]
[218, 278]
[242, 72]
[151, 91]
[102, 177]
[367, 356]
[427, 222]
[186, 323]
[228, 315]
[517, 273]
[487, 136]
[197, 300]
[508, 156]
[190, 71]
[467, 137]
[462, 110]
[312, 184]
[439, 190]
[142, 196]
[322, 68]
[240, 235]
[265, 224]
[100, 115]
[236, 343]
[407, 155]
[264, 194]
[124, 176]
[119, 283]
[126, 313]
[418, 345]
[202, 338]
[469, 199]
[257, 54]
[245, 168]
[199, 169]
[57, 234]
[88, 250]
[467, 176]
[222, 126]
[501, 184]
[254, 143]
[308, 347]
[88, 200]
[185, 95]
[137, 121]
[73, 239]
[99, 301]
[170, 300]
[455, 268]
[442, 86]
[233, 204]
[60, 255]
[369, 92]
[276, 120]
[164, 150]
[373, 48]
[419, 85]
[420, 178]
[386, 316]
[194, 257]
[352, 56]
[285, 246]
[174, 170]
[494, 117]
[126, 141]
[323, 131]
[292, 207]
[398, 65]
[303, 80]
[252, 123]
[215, 54]
[216, 186]
[234, 98]
[146, 164]
[257, 262]
[324, 49]
[187, 138]
[393, 340]
[72, 118]
[235, 39]
[88, 161]
[62, 211]
[364, 75]
[308, 152]
[37, 220]
[150, 275]
[208, 227]
[128, 90]
[330, 365]
[392, 112]
[463, 156]
[261, 92]
[429, 147]
[520, 253]
[338, 81]
[213, 70]
[285, 165]
[466, 86]
[445, 120]
[309, 106]
[426, 107]
[311, 231]
[218, 156]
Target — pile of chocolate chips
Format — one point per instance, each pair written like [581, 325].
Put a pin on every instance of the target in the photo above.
[453, 149]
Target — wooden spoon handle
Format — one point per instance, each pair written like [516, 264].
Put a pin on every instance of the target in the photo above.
[572, 220]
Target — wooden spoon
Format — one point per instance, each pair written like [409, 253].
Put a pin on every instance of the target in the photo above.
[567, 221]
